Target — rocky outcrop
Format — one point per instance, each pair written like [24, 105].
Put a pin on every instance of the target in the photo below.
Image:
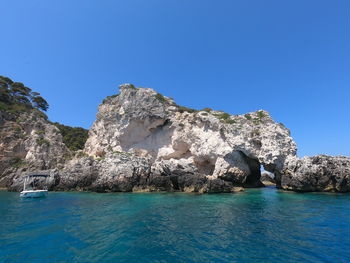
[28, 142]
[122, 172]
[213, 144]
[142, 141]
[317, 173]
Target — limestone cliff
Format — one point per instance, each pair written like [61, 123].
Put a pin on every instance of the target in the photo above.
[28, 142]
[216, 144]
[143, 141]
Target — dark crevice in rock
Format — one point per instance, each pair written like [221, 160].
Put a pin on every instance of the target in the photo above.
[253, 179]
[175, 183]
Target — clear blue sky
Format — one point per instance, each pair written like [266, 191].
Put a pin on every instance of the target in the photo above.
[291, 58]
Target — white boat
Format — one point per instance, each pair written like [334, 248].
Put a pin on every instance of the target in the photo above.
[30, 186]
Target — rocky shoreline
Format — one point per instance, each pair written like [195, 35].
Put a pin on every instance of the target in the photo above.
[143, 141]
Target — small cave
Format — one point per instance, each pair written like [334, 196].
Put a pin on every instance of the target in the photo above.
[253, 179]
[175, 182]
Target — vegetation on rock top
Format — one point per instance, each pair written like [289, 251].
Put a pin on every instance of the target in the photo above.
[186, 109]
[260, 114]
[161, 98]
[15, 97]
[181, 109]
[110, 97]
[206, 109]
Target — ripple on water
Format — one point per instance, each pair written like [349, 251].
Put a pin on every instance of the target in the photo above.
[259, 225]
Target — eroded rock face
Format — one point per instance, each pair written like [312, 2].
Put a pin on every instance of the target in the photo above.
[317, 173]
[142, 141]
[211, 144]
[28, 142]
[123, 172]
[113, 173]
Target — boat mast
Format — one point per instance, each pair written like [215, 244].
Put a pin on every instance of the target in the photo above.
[24, 186]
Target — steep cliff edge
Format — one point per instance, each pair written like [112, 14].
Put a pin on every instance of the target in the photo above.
[211, 143]
[143, 141]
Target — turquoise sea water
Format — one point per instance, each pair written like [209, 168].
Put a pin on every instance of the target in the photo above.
[259, 225]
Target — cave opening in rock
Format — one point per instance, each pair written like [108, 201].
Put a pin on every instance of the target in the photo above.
[267, 178]
[253, 179]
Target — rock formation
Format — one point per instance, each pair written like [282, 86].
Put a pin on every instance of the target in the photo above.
[211, 144]
[317, 173]
[143, 141]
[28, 142]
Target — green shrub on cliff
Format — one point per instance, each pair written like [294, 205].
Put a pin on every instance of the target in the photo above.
[230, 121]
[206, 109]
[223, 116]
[17, 162]
[260, 114]
[185, 109]
[161, 98]
[42, 141]
[248, 116]
[73, 137]
[110, 97]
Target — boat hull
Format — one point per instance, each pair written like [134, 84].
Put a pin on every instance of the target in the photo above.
[34, 193]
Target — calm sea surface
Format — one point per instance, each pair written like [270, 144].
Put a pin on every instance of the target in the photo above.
[259, 225]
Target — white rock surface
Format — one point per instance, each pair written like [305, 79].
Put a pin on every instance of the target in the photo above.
[143, 141]
[28, 142]
[218, 145]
